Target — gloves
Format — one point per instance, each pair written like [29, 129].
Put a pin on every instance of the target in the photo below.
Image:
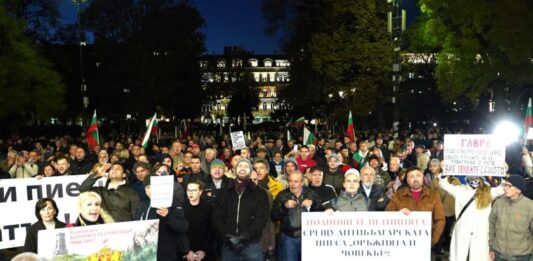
[235, 243]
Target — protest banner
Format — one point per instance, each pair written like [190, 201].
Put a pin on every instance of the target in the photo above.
[237, 140]
[368, 236]
[161, 189]
[134, 240]
[474, 155]
[18, 198]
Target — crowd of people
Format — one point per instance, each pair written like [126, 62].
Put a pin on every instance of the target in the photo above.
[247, 204]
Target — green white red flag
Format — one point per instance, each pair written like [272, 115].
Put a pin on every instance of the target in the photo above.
[93, 137]
[350, 129]
[300, 121]
[528, 120]
[309, 137]
[152, 128]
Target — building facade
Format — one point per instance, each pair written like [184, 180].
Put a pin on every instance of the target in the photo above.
[267, 74]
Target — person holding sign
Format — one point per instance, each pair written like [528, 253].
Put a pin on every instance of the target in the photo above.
[470, 237]
[46, 212]
[349, 199]
[417, 197]
[287, 208]
[172, 240]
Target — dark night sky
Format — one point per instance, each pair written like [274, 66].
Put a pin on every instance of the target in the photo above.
[230, 22]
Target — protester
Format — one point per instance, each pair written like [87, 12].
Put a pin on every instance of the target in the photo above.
[266, 181]
[216, 181]
[325, 192]
[240, 215]
[199, 231]
[333, 175]
[22, 168]
[90, 211]
[118, 198]
[375, 195]
[417, 197]
[171, 241]
[349, 199]
[287, 208]
[46, 212]
[511, 223]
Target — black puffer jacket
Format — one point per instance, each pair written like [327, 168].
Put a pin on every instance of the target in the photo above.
[242, 215]
[291, 219]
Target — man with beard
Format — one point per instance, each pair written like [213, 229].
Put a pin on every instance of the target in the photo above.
[239, 216]
[374, 194]
[62, 166]
[417, 197]
[216, 181]
[81, 164]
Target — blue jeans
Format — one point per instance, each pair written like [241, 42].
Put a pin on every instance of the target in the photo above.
[522, 258]
[289, 248]
[251, 252]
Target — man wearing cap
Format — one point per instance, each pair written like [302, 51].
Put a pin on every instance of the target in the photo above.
[349, 199]
[287, 208]
[417, 197]
[239, 216]
[333, 175]
[422, 157]
[511, 223]
[262, 153]
[118, 198]
[216, 181]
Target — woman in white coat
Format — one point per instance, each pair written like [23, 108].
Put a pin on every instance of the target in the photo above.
[470, 237]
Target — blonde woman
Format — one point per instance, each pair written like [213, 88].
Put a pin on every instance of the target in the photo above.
[470, 238]
[90, 211]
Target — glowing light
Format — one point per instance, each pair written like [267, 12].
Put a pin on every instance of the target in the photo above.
[507, 132]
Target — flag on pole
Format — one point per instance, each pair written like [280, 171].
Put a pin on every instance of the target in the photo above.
[150, 130]
[288, 123]
[309, 137]
[528, 120]
[93, 137]
[350, 129]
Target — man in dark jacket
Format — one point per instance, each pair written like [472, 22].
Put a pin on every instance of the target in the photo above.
[374, 194]
[216, 182]
[240, 215]
[118, 198]
[287, 208]
[82, 164]
[325, 192]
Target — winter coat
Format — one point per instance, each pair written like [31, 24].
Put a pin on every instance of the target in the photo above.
[121, 203]
[471, 231]
[377, 198]
[429, 201]
[511, 227]
[30, 244]
[350, 202]
[291, 219]
[243, 215]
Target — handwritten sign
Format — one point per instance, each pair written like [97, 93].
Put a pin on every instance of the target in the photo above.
[474, 155]
[366, 236]
[162, 189]
[237, 140]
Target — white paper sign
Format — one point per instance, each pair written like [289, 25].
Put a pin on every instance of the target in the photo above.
[18, 198]
[368, 236]
[162, 189]
[237, 140]
[474, 155]
[134, 240]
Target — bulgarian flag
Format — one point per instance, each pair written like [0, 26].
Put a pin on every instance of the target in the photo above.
[309, 137]
[528, 120]
[151, 127]
[300, 121]
[93, 138]
[350, 129]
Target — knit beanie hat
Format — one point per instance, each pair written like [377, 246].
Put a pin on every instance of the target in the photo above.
[217, 163]
[245, 161]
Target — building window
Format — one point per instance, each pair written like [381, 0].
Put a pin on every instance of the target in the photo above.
[203, 64]
[268, 62]
[221, 63]
[264, 106]
[282, 63]
[253, 62]
[236, 63]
